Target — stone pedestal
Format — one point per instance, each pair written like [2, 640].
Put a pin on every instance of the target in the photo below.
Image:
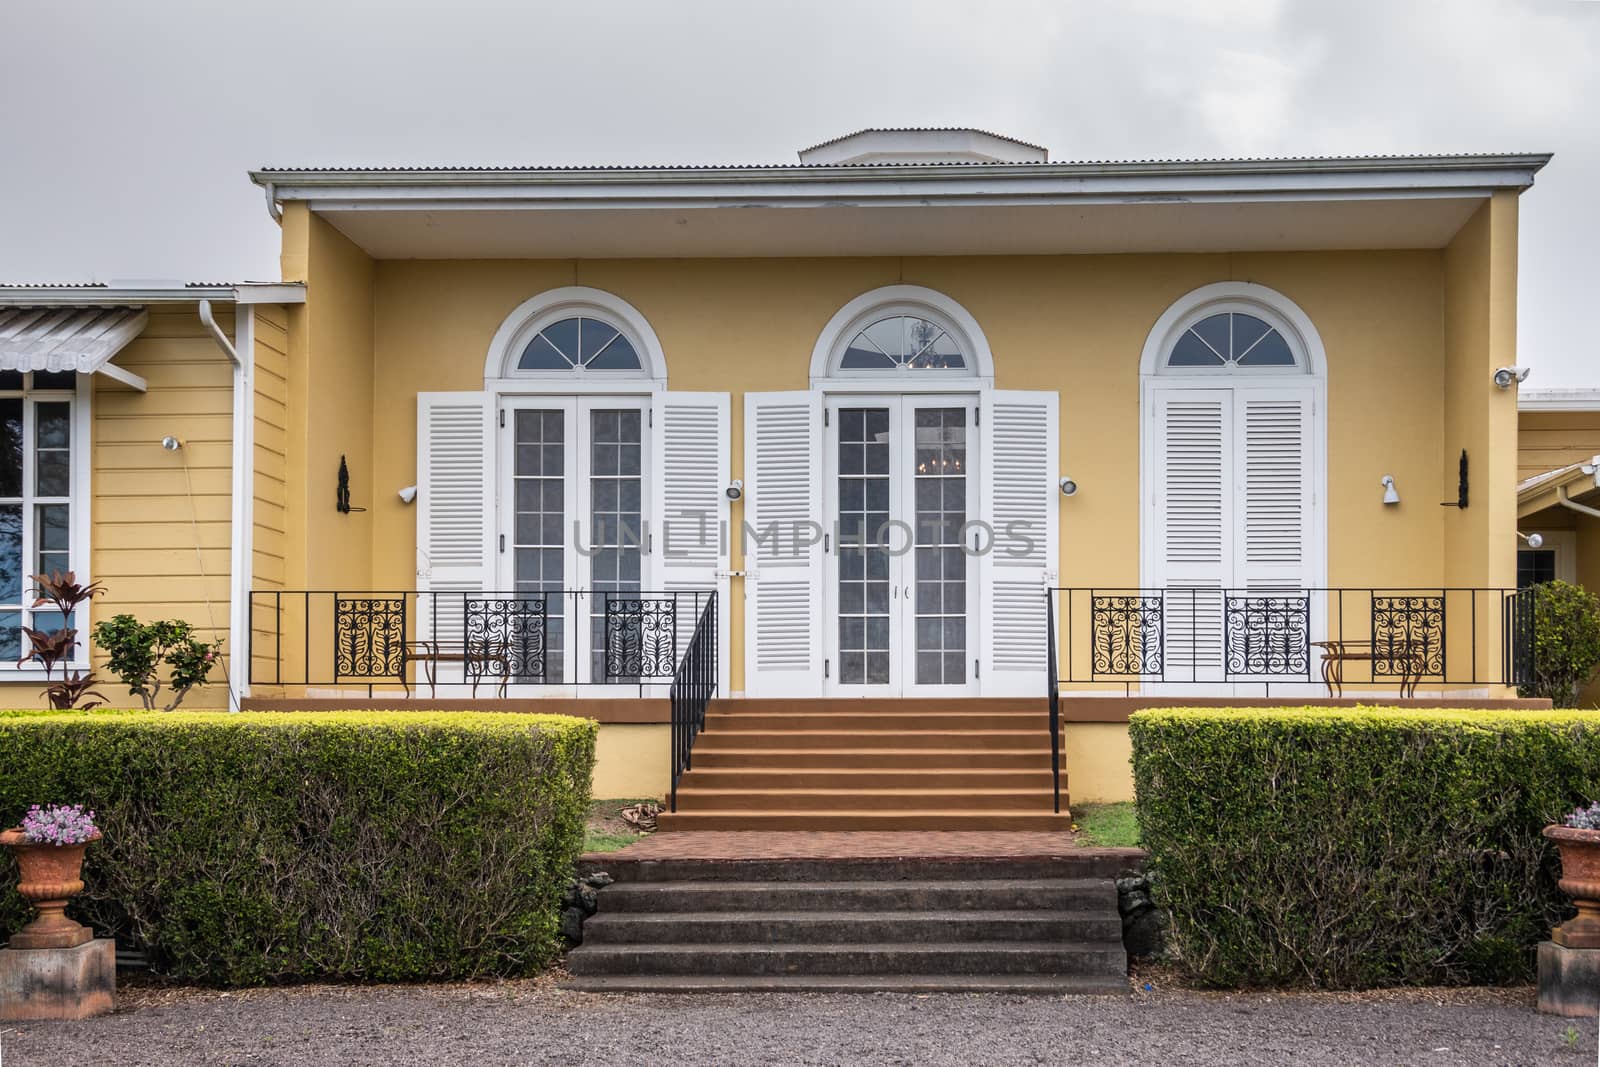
[1569, 980]
[58, 983]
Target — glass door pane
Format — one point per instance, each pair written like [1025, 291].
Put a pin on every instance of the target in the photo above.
[539, 503]
[864, 561]
[616, 529]
[940, 480]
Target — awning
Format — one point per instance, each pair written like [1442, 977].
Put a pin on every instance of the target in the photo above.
[82, 339]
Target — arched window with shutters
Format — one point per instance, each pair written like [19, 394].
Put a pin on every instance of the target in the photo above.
[1232, 464]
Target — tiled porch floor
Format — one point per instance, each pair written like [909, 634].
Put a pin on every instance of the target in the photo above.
[856, 844]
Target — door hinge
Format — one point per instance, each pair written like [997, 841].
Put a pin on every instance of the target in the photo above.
[502, 542]
[502, 418]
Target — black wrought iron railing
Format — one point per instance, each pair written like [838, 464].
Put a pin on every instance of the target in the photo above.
[694, 683]
[1319, 639]
[1053, 693]
[410, 640]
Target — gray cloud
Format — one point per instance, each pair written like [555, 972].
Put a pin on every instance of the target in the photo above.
[130, 126]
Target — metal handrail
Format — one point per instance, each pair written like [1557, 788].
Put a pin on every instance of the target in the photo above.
[694, 683]
[1054, 696]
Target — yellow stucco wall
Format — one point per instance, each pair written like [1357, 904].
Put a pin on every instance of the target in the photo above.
[1072, 323]
[1550, 439]
[1097, 762]
[632, 761]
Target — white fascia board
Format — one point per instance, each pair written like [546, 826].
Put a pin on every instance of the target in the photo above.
[983, 184]
[270, 293]
[101, 296]
[1557, 400]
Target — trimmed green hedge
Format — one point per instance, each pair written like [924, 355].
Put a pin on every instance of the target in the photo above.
[1358, 848]
[261, 847]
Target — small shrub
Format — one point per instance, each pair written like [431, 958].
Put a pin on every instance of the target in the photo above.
[136, 651]
[1566, 641]
[1353, 848]
[74, 689]
[243, 849]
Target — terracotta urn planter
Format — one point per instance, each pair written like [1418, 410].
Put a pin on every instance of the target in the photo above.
[51, 875]
[1580, 880]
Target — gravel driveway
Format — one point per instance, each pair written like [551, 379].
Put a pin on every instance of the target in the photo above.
[535, 1022]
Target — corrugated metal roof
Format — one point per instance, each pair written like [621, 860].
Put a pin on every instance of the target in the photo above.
[66, 338]
[925, 129]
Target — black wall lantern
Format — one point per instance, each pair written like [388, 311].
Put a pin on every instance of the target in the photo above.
[342, 499]
[1461, 488]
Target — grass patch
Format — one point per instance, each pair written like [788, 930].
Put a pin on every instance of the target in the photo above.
[604, 830]
[1107, 825]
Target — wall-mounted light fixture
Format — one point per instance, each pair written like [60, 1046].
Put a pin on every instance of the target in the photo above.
[171, 444]
[1389, 494]
[408, 494]
[735, 489]
[1534, 540]
[1506, 377]
[1069, 487]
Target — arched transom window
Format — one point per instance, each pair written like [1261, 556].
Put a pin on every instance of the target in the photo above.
[579, 341]
[1231, 340]
[909, 342]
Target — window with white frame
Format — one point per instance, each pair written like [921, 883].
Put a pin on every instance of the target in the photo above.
[39, 500]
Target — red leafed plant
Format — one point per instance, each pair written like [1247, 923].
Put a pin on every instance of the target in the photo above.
[75, 688]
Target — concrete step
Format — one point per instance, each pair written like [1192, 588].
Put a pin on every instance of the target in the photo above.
[889, 739]
[767, 927]
[885, 897]
[872, 705]
[971, 957]
[847, 778]
[723, 756]
[1022, 984]
[1036, 721]
[845, 819]
[752, 796]
[1067, 869]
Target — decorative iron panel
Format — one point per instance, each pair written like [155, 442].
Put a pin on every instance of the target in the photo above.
[1267, 635]
[1128, 633]
[369, 637]
[641, 638]
[1518, 640]
[506, 637]
[1408, 636]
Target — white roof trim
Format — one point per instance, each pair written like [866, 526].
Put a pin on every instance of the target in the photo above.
[1558, 400]
[616, 188]
[81, 339]
[81, 296]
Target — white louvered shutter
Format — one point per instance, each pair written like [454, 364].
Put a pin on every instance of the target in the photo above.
[689, 510]
[1193, 539]
[783, 504]
[455, 505]
[1273, 439]
[1020, 432]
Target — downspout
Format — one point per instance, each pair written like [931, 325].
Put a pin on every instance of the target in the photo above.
[241, 550]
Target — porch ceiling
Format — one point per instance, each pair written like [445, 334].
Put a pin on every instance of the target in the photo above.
[456, 230]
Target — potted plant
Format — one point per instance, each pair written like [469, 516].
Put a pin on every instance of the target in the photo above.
[49, 847]
[1578, 838]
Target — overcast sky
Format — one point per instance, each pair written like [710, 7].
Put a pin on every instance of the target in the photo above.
[129, 126]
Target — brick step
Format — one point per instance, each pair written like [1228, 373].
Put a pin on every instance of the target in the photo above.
[970, 957]
[1036, 721]
[870, 705]
[886, 898]
[852, 927]
[1011, 740]
[1064, 874]
[719, 757]
[838, 819]
[695, 799]
[1020, 984]
[793, 778]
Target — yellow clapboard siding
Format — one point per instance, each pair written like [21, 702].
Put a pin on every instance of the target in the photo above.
[176, 559]
[164, 402]
[188, 588]
[200, 454]
[176, 483]
[141, 536]
[138, 429]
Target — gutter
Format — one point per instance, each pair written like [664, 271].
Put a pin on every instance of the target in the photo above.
[1572, 505]
[210, 323]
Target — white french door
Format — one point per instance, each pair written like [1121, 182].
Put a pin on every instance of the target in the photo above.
[899, 573]
[574, 495]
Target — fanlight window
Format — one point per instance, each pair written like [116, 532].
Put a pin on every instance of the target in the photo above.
[1231, 339]
[577, 342]
[903, 341]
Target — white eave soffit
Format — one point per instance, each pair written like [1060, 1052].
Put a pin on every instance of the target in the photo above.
[81, 339]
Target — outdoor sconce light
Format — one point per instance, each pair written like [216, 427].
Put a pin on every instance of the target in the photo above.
[1389, 495]
[171, 444]
[1534, 540]
[735, 489]
[1069, 487]
[408, 494]
[1505, 377]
